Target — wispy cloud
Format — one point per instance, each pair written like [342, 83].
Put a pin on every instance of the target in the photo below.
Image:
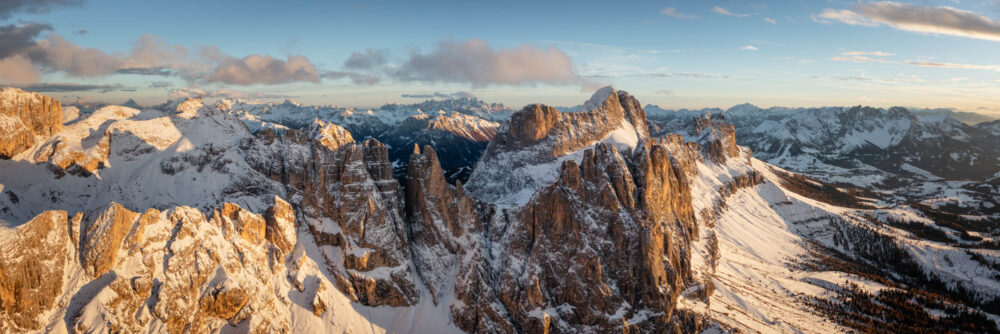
[366, 60]
[863, 56]
[9, 7]
[867, 53]
[722, 11]
[955, 65]
[672, 12]
[770, 20]
[72, 87]
[749, 48]
[357, 78]
[685, 75]
[922, 19]
[224, 93]
[160, 84]
[440, 95]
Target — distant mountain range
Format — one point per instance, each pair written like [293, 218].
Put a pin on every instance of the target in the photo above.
[861, 146]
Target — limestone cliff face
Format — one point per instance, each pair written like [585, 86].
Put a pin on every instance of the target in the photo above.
[25, 117]
[176, 270]
[32, 258]
[607, 241]
[621, 225]
[718, 137]
[562, 132]
[348, 199]
[442, 220]
[540, 135]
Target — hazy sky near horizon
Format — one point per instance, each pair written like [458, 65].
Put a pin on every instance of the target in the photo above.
[676, 54]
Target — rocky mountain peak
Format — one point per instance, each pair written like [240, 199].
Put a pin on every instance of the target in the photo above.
[25, 118]
[328, 134]
[529, 148]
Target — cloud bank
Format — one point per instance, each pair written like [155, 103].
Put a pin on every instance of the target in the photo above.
[366, 60]
[9, 7]
[931, 20]
[23, 56]
[477, 63]
[254, 69]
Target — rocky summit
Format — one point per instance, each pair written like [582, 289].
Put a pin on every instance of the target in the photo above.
[190, 217]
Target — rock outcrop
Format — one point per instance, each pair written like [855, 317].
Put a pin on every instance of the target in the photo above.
[717, 136]
[176, 268]
[32, 258]
[349, 200]
[604, 247]
[527, 150]
[24, 118]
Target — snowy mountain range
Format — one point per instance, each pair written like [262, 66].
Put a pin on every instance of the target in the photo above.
[279, 217]
[459, 128]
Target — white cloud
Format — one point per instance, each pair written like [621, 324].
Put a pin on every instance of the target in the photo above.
[909, 17]
[264, 69]
[955, 65]
[224, 93]
[23, 58]
[722, 11]
[672, 12]
[867, 53]
[770, 20]
[749, 48]
[17, 70]
[863, 56]
[859, 59]
[371, 58]
[476, 62]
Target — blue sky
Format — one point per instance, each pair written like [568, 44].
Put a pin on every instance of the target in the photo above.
[676, 54]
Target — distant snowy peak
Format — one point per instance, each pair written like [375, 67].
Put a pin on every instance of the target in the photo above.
[330, 135]
[26, 118]
[990, 127]
[364, 123]
[859, 145]
[467, 105]
[969, 118]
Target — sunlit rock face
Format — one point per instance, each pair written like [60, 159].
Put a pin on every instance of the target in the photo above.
[26, 118]
[350, 203]
[176, 270]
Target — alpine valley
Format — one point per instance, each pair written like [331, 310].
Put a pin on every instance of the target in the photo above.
[457, 215]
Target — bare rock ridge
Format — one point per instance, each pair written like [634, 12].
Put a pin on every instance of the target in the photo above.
[622, 222]
[24, 118]
[527, 150]
[350, 203]
[178, 268]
